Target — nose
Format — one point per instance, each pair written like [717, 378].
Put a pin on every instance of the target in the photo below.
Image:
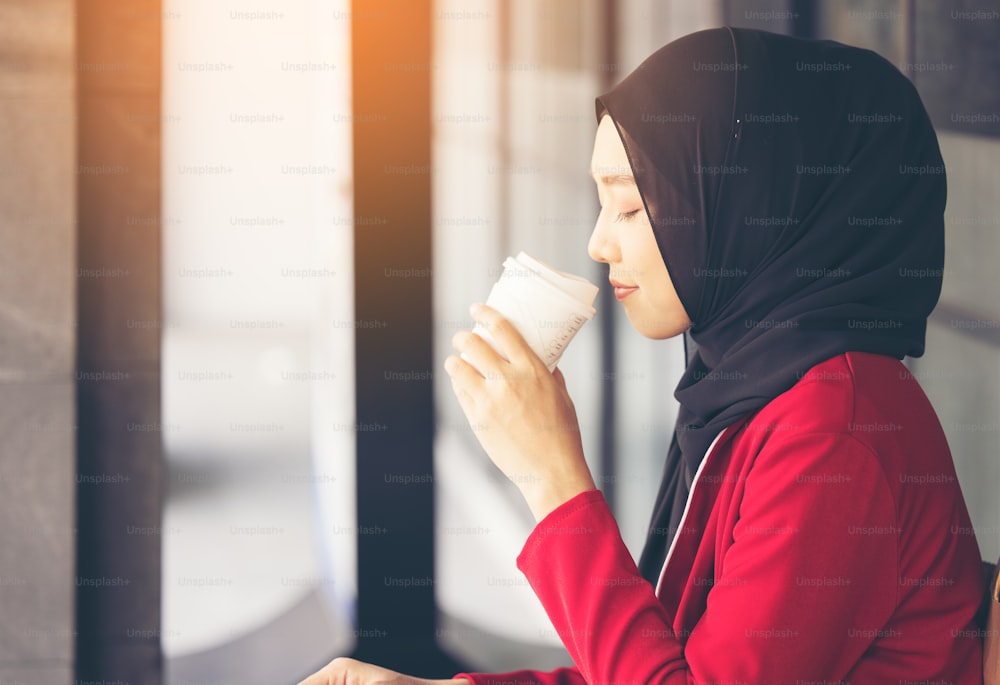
[603, 247]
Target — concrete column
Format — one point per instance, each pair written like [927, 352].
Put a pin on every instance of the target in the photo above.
[37, 340]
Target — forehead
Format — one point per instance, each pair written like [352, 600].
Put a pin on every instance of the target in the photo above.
[609, 162]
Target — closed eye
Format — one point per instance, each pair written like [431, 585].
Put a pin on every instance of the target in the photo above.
[627, 216]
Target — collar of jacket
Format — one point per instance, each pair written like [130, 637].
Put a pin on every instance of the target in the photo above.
[722, 437]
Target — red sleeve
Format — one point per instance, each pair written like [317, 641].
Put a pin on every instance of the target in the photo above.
[803, 590]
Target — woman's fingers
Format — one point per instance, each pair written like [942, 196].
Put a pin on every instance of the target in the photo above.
[520, 413]
[464, 378]
[347, 671]
[510, 341]
[479, 354]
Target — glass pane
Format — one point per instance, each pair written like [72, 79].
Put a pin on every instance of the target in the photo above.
[879, 25]
[957, 360]
[258, 332]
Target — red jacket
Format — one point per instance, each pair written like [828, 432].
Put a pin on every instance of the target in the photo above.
[826, 540]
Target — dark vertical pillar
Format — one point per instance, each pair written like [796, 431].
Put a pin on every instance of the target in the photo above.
[37, 340]
[392, 70]
[118, 353]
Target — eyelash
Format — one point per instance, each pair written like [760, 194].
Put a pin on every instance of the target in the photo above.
[626, 216]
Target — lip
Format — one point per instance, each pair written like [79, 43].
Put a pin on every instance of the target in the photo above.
[622, 291]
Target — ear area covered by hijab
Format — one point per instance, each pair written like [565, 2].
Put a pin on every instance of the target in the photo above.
[796, 192]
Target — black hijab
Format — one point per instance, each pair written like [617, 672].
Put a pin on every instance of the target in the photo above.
[796, 192]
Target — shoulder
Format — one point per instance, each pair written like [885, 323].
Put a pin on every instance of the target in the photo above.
[843, 394]
[854, 406]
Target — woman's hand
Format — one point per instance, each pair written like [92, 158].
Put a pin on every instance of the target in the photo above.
[521, 414]
[344, 671]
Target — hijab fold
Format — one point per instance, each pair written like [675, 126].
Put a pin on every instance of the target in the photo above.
[796, 192]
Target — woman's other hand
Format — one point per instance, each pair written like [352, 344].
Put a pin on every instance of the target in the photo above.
[522, 414]
[344, 671]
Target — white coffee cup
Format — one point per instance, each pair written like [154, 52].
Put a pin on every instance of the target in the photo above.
[546, 306]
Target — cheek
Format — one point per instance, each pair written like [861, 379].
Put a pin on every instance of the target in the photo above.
[658, 293]
[647, 260]
[656, 279]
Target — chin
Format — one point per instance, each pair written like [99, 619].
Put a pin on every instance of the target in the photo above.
[657, 329]
[664, 334]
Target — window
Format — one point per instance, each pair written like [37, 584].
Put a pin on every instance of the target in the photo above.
[258, 385]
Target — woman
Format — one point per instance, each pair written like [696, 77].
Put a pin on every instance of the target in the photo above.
[781, 201]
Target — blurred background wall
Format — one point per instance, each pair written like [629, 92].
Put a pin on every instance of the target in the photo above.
[37, 341]
[207, 150]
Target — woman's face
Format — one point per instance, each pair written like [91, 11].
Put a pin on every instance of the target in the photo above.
[623, 239]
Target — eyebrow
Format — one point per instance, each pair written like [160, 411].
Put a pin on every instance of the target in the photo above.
[617, 179]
